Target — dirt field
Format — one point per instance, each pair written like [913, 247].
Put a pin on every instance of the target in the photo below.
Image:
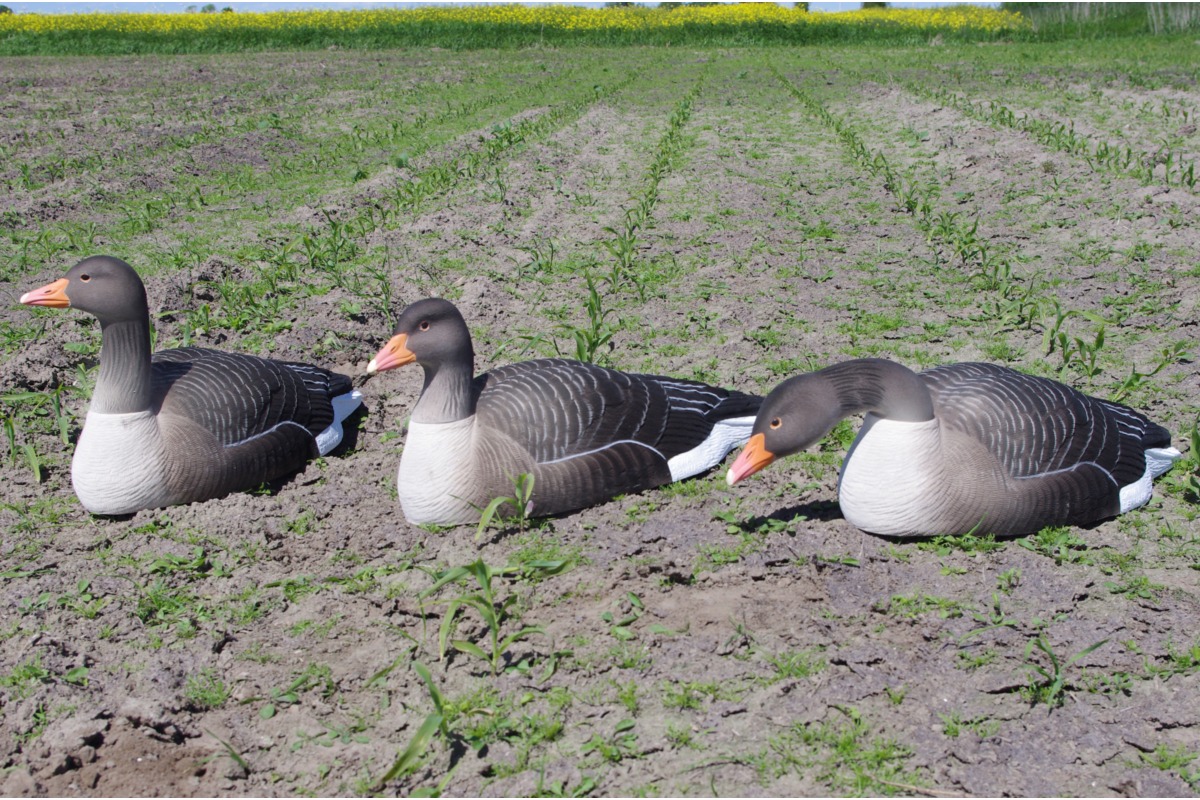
[743, 216]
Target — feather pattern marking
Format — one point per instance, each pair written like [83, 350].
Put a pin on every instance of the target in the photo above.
[560, 409]
[1036, 426]
[239, 397]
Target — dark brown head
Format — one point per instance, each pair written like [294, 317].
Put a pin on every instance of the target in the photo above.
[793, 416]
[801, 410]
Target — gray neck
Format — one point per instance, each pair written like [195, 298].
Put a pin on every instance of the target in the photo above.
[884, 387]
[823, 398]
[124, 383]
[448, 395]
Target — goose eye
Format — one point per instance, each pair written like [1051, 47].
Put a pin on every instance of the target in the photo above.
[424, 325]
[775, 423]
[85, 278]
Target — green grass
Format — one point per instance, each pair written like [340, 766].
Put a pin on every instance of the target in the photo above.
[503, 27]
[842, 755]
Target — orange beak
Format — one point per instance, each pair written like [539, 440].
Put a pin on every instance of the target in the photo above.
[750, 460]
[394, 354]
[52, 295]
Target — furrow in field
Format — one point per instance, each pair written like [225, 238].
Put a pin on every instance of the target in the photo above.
[1022, 192]
[1152, 122]
[243, 165]
[766, 202]
[533, 221]
[1084, 243]
[1119, 107]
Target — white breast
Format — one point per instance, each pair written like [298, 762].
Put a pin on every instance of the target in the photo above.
[119, 465]
[892, 480]
[437, 471]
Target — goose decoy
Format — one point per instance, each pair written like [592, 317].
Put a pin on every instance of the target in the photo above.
[586, 434]
[964, 448]
[187, 424]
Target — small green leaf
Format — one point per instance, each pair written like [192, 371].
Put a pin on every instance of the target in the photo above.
[416, 748]
[463, 646]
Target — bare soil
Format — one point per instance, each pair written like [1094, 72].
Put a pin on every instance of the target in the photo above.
[699, 639]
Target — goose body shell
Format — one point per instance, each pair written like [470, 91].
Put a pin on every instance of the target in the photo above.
[186, 424]
[991, 451]
[585, 433]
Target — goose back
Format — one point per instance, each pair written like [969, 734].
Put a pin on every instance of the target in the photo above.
[1037, 426]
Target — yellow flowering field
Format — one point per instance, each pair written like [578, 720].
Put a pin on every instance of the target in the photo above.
[490, 25]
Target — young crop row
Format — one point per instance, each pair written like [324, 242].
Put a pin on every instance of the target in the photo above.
[330, 249]
[1013, 301]
[624, 241]
[1166, 164]
[951, 231]
[142, 212]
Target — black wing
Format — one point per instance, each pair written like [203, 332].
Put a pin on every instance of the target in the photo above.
[558, 408]
[1037, 426]
[237, 397]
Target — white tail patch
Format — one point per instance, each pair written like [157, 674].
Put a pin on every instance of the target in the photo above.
[725, 435]
[343, 406]
[1158, 461]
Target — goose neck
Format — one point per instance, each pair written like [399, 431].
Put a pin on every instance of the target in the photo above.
[888, 389]
[124, 382]
[447, 396]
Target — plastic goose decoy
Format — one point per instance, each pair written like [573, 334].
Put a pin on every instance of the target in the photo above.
[586, 434]
[964, 447]
[187, 424]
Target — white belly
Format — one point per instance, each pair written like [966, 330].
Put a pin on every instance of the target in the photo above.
[436, 472]
[892, 480]
[119, 464]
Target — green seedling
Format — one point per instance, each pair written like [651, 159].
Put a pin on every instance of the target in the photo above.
[1172, 354]
[24, 679]
[232, 753]
[598, 332]
[1051, 689]
[83, 602]
[1060, 543]
[494, 612]
[619, 745]
[409, 758]
[514, 509]
[313, 676]
[620, 627]
[206, 690]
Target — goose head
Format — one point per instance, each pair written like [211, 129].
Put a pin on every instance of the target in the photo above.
[431, 333]
[786, 424]
[801, 410]
[103, 286]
